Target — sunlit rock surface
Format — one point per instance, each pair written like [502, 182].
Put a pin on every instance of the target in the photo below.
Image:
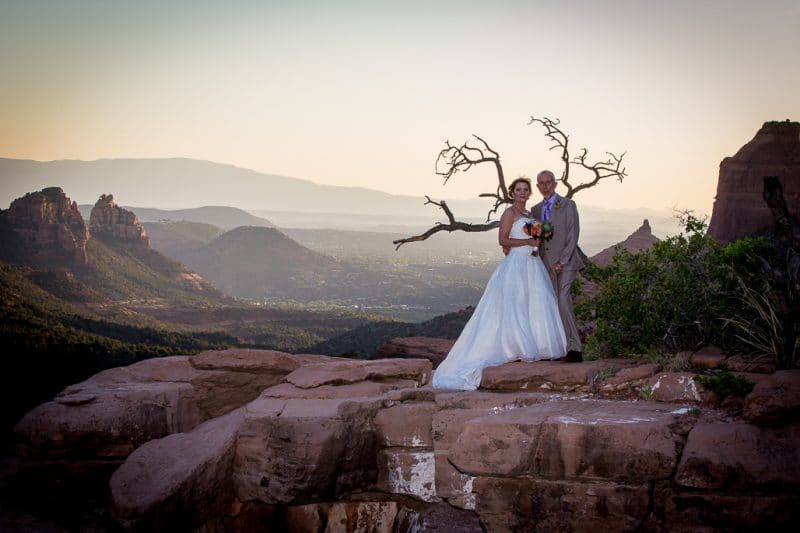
[236, 439]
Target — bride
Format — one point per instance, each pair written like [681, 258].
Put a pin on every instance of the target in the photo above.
[517, 316]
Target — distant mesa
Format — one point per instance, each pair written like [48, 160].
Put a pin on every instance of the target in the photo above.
[639, 240]
[108, 220]
[44, 228]
[739, 207]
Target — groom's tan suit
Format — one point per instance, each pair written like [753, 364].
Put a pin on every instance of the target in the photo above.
[563, 249]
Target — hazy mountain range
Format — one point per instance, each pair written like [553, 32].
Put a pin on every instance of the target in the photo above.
[184, 183]
[221, 217]
[173, 185]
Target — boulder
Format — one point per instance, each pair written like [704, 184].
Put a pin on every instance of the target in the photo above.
[298, 451]
[674, 387]
[433, 349]
[108, 422]
[406, 425]
[119, 409]
[760, 365]
[547, 375]
[627, 442]
[178, 482]
[352, 371]
[626, 379]
[454, 410]
[738, 455]
[708, 357]
[243, 360]
[775, 399]
[360, 389]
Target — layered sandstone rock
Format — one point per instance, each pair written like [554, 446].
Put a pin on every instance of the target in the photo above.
[433, 349]
[739, 208]
[107, 219]
[44, 229]
[348, 445]
[641, 239]
[114, 412]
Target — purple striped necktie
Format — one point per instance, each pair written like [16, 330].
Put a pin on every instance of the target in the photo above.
[546, 210]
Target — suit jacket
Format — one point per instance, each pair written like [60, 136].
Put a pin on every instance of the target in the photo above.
[563, 247]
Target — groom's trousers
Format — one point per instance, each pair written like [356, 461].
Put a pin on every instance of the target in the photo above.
[561, 285]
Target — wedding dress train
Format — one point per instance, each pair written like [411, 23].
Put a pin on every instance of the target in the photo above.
[516, 318]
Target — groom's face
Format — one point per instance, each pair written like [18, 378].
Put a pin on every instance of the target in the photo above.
[546, 185]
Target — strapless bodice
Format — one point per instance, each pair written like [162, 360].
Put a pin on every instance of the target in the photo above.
[518, 232]
[518, 228]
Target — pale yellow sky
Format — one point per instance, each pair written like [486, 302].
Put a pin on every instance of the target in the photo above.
[364, 93]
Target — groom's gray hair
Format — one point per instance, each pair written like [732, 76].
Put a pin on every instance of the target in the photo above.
[547, 173]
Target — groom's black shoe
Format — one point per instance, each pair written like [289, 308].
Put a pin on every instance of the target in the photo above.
[573, 356]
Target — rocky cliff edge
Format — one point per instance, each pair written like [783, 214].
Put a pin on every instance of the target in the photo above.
[228, 440]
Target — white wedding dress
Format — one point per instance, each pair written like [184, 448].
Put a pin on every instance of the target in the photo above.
[516, 318]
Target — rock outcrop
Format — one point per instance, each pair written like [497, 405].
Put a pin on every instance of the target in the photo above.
[44, 229]
[739, 208]
[348, 445]
[430, 348]
[641, 239]
[107, 219]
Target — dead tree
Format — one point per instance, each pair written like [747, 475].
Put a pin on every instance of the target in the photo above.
[476, 151]
[784, 279]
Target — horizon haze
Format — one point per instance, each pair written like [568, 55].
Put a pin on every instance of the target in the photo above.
[364, 94]
[284, 201]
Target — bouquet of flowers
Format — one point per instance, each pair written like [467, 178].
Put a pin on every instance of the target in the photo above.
[539, 229]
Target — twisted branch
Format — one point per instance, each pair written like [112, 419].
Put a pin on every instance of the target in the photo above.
[453, 225]
[476, 151]
[610, 168]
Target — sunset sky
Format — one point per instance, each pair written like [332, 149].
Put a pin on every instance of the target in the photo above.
[364, 93]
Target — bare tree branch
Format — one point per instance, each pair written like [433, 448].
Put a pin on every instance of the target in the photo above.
[610, 168]
[453, 225]
[476, 151]
[788, 226]
[454, 159]
[560, 141]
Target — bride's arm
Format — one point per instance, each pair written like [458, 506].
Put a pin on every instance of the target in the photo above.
[506, 221]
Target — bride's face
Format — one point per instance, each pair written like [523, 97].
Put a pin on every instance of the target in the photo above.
[522, 191]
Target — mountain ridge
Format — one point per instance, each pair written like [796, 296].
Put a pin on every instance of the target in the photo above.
[224, 217]
[222, 183]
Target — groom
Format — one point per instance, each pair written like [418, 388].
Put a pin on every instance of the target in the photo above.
[561, 255]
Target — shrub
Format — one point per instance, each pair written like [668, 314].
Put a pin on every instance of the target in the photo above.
[724, 384]
[673, 296]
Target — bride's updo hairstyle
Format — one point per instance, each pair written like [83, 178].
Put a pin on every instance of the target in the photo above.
[514, 184]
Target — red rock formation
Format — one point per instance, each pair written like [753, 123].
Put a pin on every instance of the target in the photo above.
[110, 220]
[739, 208]
[367, 445]
[45, 229]
[641, 239]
